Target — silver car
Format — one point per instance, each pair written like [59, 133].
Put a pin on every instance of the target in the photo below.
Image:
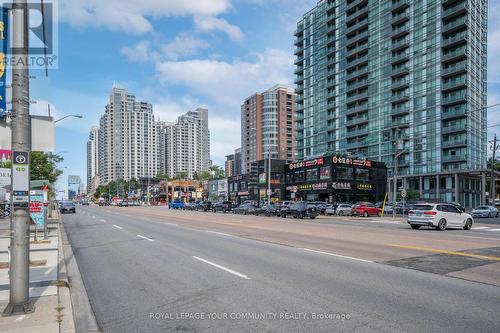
[485, 211]
[344, 209]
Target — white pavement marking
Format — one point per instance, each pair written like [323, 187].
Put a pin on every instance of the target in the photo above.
[103, 220]
[479, 228]
[219, 233]
[222, 267]
[493, 230]
[93, 216]
[172, 224]
[146, 238]
[19, 318]
[117, 226]
[337, 255]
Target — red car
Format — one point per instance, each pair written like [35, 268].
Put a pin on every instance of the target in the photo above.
[365, 209]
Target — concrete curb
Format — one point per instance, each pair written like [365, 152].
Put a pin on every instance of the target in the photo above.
[65, 309]
[84, 318]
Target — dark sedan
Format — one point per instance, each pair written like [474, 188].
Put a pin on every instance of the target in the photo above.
[67, 207]
[245, 209]
[226, 206]
[204, 206]
[267, 210]
[300, 210]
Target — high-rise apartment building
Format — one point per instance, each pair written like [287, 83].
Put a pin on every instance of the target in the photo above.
[92, 156]
[376, 78]
[128, 139]
[267, 124]
[185, 144]
[233, 163]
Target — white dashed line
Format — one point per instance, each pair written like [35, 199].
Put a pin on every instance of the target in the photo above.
[103, 220]
[479, 228]
[223, 268]
[337, 255]
[146, 238]
[493, 230]
[117, 226]
[218, 233]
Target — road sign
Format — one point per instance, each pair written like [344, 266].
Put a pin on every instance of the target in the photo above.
[269, 192]
[20, 179]
[403, 194]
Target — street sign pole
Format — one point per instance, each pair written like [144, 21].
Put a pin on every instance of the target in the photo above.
[21, 146]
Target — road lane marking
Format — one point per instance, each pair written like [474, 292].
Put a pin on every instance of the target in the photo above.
[20, 318]
[103, 220]
[479, 228]
[172, 224]
[117, 226]
[222, 267]
[493, 230]
[428, 249]
[337, 255]
[219, 233]
[146, 238]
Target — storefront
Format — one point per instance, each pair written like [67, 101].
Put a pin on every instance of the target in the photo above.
[336, 179]
[243, 187]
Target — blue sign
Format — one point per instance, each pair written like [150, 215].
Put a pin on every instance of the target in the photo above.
[4, 19]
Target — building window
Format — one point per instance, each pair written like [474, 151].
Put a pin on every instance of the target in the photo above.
[344, 173]
[312, 174]
[324, 173]
[299, 176]
[362, 174]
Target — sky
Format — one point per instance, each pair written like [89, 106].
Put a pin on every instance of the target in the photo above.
[179, 55]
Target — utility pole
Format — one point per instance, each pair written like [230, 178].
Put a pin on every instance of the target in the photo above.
[21, 146]
[397, 153]
[493, 184]
[269, 174]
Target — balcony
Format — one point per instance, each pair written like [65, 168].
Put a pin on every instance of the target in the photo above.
[352, 16]
[357, 109]
[400, 5]
[455, 40]
[358, 61]
[357, 97]
[356, 144]
[454, 158]
[357, 49]
[454, 69]
[299, 40]
[299, 60]
[454, 55]
[357, 26]
[354, 4]
[399, 44]
[400, 84]
[299, 79]
[455, 25]
[400, 98]
[400, 18]
[357, 120]
[357, 73]
[401, 57]
[356, 38]
[454, 143]
[400, 31]
[454, 84]
[331, 39]
[454, 129]
[359, 132]
[299, 50]
[455, 10]
[454, 99]
[357, 85]
[400, 71]
[397, 123]
[456, 112]
[299, 31]
[400, 110]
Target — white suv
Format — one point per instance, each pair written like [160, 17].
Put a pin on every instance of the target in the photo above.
[440, 216]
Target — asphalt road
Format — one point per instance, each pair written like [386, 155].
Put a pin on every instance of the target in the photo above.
[154, 270]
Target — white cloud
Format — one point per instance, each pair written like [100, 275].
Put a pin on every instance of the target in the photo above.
[132, 16]
[139, 52]
[228, 83]
[183, 45]
[210, 23]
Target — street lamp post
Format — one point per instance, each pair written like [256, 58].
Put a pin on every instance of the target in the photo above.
[396, 158]
[70, 115]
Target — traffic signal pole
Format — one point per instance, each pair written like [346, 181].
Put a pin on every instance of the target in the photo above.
[21, 146]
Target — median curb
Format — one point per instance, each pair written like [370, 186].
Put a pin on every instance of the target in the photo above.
[83, 314]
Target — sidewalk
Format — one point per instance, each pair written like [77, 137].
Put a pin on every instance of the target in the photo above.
[49, 290]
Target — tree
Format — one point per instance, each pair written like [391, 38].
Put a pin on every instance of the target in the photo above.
[217, 172]
[204, 175]
[181, 175]
[162, 176]
[44, 166]
[490, 163]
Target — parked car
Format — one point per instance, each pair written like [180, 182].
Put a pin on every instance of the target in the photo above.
[176, 204]
[343, 210]
[485, 211]
[204, 206]
[225, 206]
[440, 216]
[85, 203]
[300, 210]
[268, 210]
[245, 209]
[67, 207]
[365, 209]
[189, 206]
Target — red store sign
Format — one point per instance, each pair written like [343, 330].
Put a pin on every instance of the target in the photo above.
[308, 163]
[352, 161]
